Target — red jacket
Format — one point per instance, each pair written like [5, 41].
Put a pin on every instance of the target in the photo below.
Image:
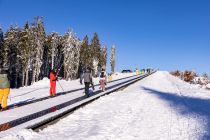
[52, 77]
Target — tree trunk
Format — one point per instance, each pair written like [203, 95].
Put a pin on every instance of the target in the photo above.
[16, 80]
[52, 59]
[37, 73]
[23, 78]
[34, 75]
[26, 80]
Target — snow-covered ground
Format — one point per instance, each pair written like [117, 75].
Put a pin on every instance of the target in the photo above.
[40, 89]
[208, 86]
[159, 107]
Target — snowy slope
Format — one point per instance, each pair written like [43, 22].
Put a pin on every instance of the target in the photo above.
[159, 107]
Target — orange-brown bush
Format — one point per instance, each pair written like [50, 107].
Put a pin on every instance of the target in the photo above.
[189, 76]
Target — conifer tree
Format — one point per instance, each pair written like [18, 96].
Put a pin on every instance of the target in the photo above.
[53, 39]
[84, 53]
[103, 57]
[59, 63]
[24, 49]
[71, 55]
[29, 53]
[6, 46]
[95, 53]
[47, 56]
[12, 58]
[38, 37]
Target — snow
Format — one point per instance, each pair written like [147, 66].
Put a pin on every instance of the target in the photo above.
[208, 86]
[202, 81]
[160, 106]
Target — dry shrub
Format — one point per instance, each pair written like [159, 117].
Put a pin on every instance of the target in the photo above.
[176, 73]
[189, 76]
[192, 77]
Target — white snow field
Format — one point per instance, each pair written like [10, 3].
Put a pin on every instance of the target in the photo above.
[159, 107]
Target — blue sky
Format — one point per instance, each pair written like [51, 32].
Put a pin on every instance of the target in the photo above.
[164, 34]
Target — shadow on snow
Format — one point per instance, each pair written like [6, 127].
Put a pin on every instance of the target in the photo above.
[187, 106]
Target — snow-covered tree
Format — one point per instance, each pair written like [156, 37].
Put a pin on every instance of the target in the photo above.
[103, 57]
[12, 58]
[53, 54]
[96, 68]
[71, 55]
[53, 39]
[38, 40]
[85, 59]
[24, 48]
[53, 51]
[95, 54]
[9, 36]
[29, 54]
[112, 59]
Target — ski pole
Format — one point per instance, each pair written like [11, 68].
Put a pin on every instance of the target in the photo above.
[60, 86]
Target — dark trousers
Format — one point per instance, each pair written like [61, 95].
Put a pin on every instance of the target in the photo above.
[80, 79]
[87, 85]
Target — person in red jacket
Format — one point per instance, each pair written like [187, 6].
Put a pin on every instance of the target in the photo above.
[52, 83]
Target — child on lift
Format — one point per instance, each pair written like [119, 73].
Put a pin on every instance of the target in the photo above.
[102, 80]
